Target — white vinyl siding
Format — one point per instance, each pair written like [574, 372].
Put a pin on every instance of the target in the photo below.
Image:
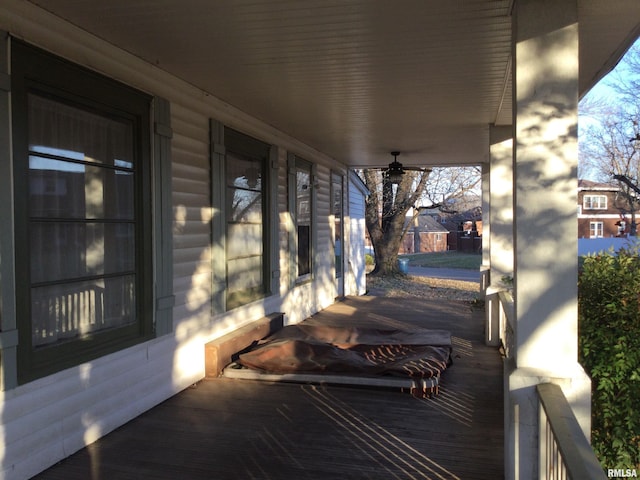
[52, 417]
[356, 268]
[191, 214]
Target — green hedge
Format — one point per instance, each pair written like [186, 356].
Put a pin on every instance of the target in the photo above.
[609, 343]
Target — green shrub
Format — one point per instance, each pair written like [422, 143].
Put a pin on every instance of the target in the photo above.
[368, 259]
[609, 349]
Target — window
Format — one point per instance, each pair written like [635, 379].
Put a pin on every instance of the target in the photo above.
[301, 206]
[595, 202]
[596, 229]
[336, 210]
[247, 232]
[83, 216]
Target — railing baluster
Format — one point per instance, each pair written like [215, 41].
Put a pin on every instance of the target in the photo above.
[564, 451]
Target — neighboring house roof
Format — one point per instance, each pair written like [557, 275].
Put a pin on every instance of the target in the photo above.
[356, 181]
[590, 185]
[426, 223]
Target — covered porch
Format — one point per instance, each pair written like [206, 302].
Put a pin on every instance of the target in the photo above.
[226, 428]
[337, 86]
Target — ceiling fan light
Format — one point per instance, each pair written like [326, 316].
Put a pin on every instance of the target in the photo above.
[395, 172]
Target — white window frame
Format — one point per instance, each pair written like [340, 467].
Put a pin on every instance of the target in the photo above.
[594, 202]
[295, 165]
[596, 229]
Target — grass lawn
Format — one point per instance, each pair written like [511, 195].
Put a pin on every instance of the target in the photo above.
[471, 261]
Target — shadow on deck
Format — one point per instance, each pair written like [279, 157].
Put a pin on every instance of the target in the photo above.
[240, 429]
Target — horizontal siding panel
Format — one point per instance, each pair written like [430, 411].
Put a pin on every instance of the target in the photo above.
[193, 239]
[323, 195]
[197, 318]
[189, 122]
[197, 297]
[192, 211]
[196, 217]
[325, 289]
[190, 170]
[187, 270]
[188, 158]
[191, 255]
[193, 186]
[23, 418]
[189, 199]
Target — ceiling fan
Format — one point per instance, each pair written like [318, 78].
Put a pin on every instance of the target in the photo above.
[396, 170]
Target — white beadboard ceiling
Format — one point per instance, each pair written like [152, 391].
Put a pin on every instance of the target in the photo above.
[354, 79]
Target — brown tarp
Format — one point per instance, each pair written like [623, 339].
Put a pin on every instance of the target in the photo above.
[415, 353]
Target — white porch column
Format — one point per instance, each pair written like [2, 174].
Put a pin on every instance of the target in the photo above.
[500, 187]
[485, 269]
[545, 227]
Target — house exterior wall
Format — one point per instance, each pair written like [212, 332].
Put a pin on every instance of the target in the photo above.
[428, 242]
[48, 419]
[355, 274]
[608, 218]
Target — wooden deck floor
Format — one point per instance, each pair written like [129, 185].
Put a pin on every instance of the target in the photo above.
[239, 429]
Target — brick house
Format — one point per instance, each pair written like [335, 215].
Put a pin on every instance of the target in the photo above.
[602, 212]
[426, 235]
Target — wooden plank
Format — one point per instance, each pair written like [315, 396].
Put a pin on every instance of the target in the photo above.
[220, 352]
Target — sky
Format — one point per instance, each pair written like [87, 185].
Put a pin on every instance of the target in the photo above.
[605, 92]
[603, 88]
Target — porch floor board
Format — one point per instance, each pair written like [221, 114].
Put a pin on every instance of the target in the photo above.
[242, 429]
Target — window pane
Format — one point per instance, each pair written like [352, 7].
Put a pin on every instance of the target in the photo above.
[245, 163]
[336, 209]
[595, 202]
[244, 206]
[303, 216]
[81, 188]
[303, 188]
[65, 131]
[62, 251]
[244, 172]
[64, 189]
[244, 240]
[244, 274]
[73, 310]
[304, 250]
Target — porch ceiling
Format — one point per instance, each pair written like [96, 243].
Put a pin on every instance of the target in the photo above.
[354, 79]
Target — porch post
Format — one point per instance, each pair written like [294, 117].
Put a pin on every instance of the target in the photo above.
[485, 269]
[500, 187]
[545, 115]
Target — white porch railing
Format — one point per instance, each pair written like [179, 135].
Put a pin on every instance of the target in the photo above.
[564, 451]
[500, 313]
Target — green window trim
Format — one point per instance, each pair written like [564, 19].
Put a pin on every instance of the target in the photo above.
[337, 213]
[163, 217]
[34, 70]
[8, 328]
[302, 201]
[243, 177]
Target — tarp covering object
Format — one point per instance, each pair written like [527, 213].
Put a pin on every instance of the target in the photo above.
[414, 353]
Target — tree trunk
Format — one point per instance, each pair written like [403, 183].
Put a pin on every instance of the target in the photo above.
[385, 213]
